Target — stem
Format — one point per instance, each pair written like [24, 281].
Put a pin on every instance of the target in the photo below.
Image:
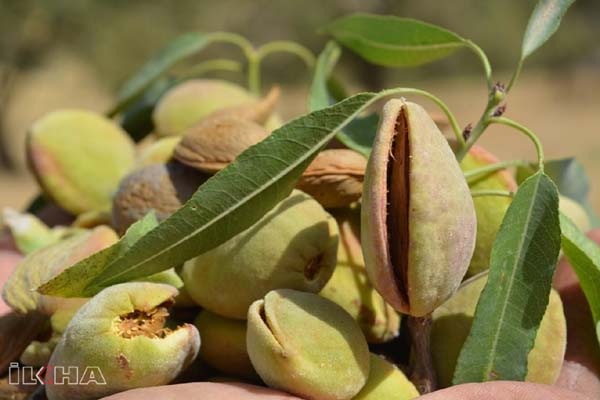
[528, 133]
[255, 56]
[422, 372]
[210, 66]
[254, 81]
[451, 118]
[488, 169]
[285, 46]
[515, 75]
[233, 38]
[473, 278]
[251, 55]
[484, 60]
[491, 192]
[495, 96]
[481, 125]
[225, 37]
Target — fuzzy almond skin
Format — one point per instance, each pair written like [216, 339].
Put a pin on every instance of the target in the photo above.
[452, 323]
[307, 345]
[349, 286]
[28, 232]
[92, 339]
[38, 353]
[224, 344]
[44, 264]
[386, 381]
[441, 217]
[575, 212]
[258, 110]
[159, 152]
[163, 188]
[78, 158]
[293, 246]
[187, 103]
[490, 209]
[9, 260]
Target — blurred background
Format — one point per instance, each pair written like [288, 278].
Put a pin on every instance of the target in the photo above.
[64, 53]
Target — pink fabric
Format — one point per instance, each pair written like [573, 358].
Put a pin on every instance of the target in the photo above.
[503, 390]
[203, 391]
[9, 260]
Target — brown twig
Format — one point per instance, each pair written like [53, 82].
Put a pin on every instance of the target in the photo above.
[422, 372]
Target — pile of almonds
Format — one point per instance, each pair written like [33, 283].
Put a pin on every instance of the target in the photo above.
[310, 300]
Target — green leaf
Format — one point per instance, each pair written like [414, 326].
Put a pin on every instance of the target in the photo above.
[137, 117]
[516, 294]
[544, 21]
[392, 41]
[571, 180]
[319, 93]
[360, 133]
[229, 202]
[180, 48]
[73, 281]
[337, 90]
[584, 256]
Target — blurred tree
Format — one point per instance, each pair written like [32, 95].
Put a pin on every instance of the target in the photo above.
[22, 45]
[116, 36]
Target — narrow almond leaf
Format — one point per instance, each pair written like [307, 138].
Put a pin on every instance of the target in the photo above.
[72, 282]
[544, 21]
[319, 93]
[584, 256]
[336, 88]
[360, 133]
[571, 179]
[180, 48]
[137, 117]
[393, 41]
[515, 297]
[229, 202]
